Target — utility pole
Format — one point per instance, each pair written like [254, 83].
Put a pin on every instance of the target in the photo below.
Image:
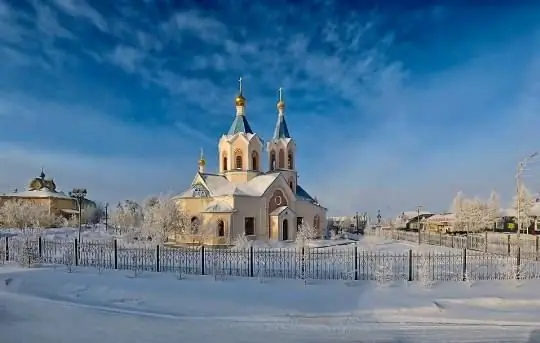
[357, 223]
[79, 194]
[418, 208]
[106, 216]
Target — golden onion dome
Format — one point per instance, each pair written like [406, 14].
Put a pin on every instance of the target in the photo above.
[281, 105]
[240, 100]
[202, 162]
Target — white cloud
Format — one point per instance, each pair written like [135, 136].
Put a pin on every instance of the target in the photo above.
[79, 8]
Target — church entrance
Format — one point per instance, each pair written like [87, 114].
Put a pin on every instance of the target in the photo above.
[285, 230]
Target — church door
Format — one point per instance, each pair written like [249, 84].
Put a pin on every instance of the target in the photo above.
[285, 230]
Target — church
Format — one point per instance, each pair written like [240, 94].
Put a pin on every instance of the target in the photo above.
[244, 199]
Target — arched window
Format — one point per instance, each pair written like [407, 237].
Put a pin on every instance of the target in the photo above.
[291, 184]
[281, 159]
[194, 224]
[254, 161]
[272, 160]
[224, 154]
[238, 159]
[290, 164]
[221, 228]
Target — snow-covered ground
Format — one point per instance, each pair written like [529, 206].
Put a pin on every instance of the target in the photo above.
[51, 305]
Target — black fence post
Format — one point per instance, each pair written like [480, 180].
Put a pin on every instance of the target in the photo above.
[157, 258]
[40, 248]
[303, 264]
[486, 242]
[355, 262]
[410, 265]
[251, 261]
[518, 263]
[7, 248]
[202, 260]
[115, 254]
[76, 252]
[465, 264]
[508, 244]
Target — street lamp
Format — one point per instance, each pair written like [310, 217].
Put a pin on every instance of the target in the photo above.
[418, 208]
[79, 194]
[519, 185]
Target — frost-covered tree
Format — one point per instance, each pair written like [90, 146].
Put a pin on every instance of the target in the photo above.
[473, 214]
[525, 201]
[305, 234]
[163, 218]
[493, 208]
[26, 215]
[128, 217]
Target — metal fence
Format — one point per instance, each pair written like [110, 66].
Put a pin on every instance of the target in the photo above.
[488, 242]
[343, 263]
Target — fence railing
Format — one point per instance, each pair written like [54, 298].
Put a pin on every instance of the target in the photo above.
[344, 263]
[528, 246]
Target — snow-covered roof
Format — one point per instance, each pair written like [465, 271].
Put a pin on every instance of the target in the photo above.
[218, 185]
[414, 214]
[218, 207]
[511, 212]
[280, 209]
[42, 193]
[441, 217]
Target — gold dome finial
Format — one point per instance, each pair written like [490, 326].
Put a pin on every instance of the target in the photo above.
[281, 103]
[240, 100]
[202, 161]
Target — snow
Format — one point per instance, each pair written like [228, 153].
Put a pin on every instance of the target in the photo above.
[218, 207]
[43, 193]
[51, 305]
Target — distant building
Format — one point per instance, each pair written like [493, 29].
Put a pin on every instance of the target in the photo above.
[41, 190]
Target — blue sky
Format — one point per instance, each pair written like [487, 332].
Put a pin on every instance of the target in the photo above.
[391, 106]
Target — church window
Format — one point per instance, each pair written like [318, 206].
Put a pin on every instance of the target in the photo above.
[299, 222]
[224, 161]
[254, 161]
[278, 199]
[249, 226]
[290, 161]
[272, 160]
[199, 191]
[238, 159]
[221, 228]
[281, 161]
[291, 184]
[194, 224]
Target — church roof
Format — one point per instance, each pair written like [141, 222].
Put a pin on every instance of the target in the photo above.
[218, 207]
[281, 130]
[240, 124]
[301, 194]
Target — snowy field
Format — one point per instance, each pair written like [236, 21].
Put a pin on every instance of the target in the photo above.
[52, 305]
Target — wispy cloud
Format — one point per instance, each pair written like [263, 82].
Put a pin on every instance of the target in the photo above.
[79, 8]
